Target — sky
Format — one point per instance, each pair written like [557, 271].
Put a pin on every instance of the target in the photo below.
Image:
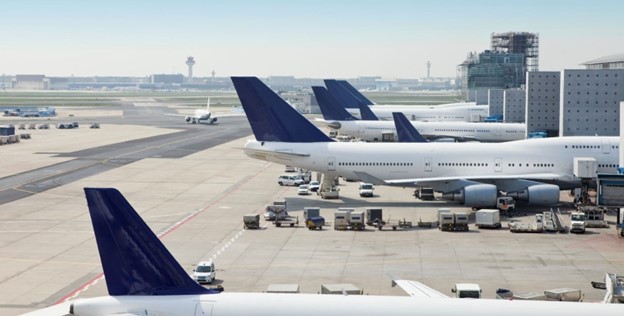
[314, 39]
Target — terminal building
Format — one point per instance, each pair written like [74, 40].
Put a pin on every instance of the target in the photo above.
[615, 61]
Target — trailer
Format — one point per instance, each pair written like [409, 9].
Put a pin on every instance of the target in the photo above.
[535, 227]
[374, 217]
[445, 220]
[356, 221]
[251, 221]
[309, 212]
[488, 218]
[341, 218]
[286, 221]
[313, 223]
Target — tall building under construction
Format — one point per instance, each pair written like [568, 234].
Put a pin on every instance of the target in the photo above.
[518, 43]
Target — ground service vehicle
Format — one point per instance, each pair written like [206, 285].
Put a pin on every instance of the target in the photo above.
[287, 179]
[366, 189]
[204, 272]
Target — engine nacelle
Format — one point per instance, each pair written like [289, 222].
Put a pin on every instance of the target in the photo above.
[539, 194]
[213, 120]
[187, 118]
[481, 195]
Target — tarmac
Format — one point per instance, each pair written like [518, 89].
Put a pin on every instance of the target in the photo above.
[192, 184]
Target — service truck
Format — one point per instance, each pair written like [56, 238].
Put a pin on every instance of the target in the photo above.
[488, 218]
[467, 290]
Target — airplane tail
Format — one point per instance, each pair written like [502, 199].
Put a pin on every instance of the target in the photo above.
[134, 260]
[405, 130]
[345, 84]
[366, 113]
[344, 97]
[271, 118]
[329, 106]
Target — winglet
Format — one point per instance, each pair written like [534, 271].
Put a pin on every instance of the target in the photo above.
[134, 260]
[366, 113]
[271, 118]
[330, 108]
[405, 130]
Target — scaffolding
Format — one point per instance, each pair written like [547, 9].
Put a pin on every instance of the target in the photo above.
[519, 43]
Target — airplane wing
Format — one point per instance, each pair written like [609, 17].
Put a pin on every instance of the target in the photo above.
[460, 139]
[482, 178]
[417, 290]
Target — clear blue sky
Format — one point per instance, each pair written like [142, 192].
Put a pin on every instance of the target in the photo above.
[320, 39]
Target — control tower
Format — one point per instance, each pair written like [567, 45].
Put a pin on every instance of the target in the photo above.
[190, 61]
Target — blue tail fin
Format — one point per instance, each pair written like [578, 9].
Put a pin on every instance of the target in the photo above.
[405, 130]
[341, 94]
[330, 108]
[134, 260]
[366, 113]
[345, 84]
[271, 118]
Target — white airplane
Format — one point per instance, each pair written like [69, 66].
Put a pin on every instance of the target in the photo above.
[204, 115]
[337, 118]
[350, 98]
[143, 278]
[534, 170]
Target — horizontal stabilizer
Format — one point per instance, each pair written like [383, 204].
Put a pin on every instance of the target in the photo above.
[417, 290]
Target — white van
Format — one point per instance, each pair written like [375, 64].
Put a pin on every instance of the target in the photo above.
[366, 189]
[204, 272]
[288, 179]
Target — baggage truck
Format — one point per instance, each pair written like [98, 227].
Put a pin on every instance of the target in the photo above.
[313, 223]
[341, 218]
[251, 221]
[488, 218]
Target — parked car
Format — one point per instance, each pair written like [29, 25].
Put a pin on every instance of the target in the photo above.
[303, 190]
[204, 272]
[287, 179]
[314, 186]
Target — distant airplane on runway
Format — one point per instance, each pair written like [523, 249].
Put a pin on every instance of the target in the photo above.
[204, 115]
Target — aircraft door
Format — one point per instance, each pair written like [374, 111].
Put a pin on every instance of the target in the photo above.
[498, 164]
[203, 309]
[428, 165]
[606, 146]
[331, 163]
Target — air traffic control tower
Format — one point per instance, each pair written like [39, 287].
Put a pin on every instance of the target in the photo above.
[190, 61]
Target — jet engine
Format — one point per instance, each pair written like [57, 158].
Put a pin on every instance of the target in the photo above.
[212, 120]
[480, 195]
[187, 118]
[539, 194]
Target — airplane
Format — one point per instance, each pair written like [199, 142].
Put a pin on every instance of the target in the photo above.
[532, 170]
[336, 117]
[350, 98]
[143, 278]
[204, 115]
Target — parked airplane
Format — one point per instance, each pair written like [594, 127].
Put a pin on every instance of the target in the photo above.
[204, 115]
[533, 170]
[337, 118]
[143, 278]
[351, 98]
